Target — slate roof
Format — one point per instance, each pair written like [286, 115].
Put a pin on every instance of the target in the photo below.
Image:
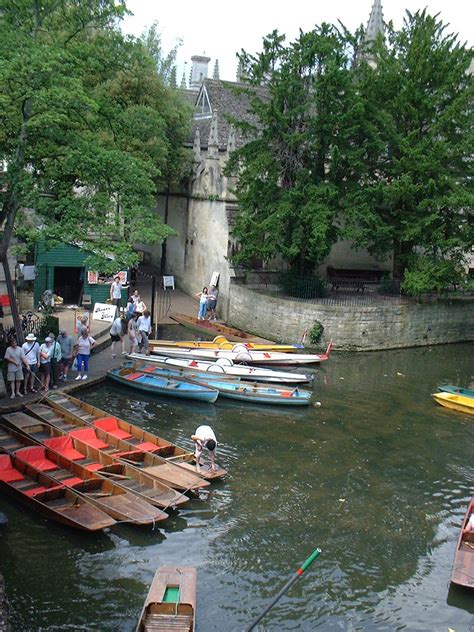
[224, 100]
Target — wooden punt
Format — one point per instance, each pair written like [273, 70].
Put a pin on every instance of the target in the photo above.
[135, 436]
[455, 402]
[463, 566]
[221, 342]
[114, 500]
[239, 389]
[224, 369]
[167, 472]
[55, 501]
[97, 463]
[171, 601]
[214, 328]
[456, 390]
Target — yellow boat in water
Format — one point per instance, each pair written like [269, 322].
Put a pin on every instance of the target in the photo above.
[455, 402]
[221, 342]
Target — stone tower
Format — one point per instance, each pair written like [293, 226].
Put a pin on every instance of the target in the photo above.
[198, 71]
[375, 23]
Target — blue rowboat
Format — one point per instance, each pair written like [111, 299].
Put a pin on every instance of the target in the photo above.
[456, 390]
[164, 385]
[236, 389]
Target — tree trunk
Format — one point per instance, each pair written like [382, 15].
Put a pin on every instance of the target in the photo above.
[13, 303]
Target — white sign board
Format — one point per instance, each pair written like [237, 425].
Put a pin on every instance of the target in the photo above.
[168, 281]
[104, 312]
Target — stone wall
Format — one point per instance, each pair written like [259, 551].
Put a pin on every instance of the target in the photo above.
[384, 325]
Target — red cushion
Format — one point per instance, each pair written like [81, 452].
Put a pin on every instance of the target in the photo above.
[193, 363]
[148, 369]
[120, 434]
[64, 446]
[106, 423]
[35, 490]
[69, 482]
[147, 446]
[133, 376]
[35, 457]
[5, 462]
[10, 475]
[87, 435]
[286, 393]
[92, 467]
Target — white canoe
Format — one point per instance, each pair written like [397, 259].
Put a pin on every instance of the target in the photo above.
[225, 366]
[241, 355]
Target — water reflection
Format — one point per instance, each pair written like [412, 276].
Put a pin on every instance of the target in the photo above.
[379, 477]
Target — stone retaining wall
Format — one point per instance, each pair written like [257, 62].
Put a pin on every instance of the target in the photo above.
[384, 325]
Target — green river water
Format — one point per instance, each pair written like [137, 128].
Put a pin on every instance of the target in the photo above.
[379, 477]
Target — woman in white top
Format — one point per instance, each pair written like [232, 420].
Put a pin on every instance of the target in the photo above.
[45, 354]
[202, 296]
[83, 348]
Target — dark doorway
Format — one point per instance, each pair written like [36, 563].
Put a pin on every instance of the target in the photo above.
[68, 284]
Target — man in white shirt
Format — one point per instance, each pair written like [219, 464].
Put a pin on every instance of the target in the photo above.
[204, 437]
[31, 350]
[144, 329]
[15, 359]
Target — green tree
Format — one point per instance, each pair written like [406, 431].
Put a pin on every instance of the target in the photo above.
[304, 154]
[416, 200]
[88, 129]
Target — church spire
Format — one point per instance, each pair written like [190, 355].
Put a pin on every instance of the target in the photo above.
[375, 24]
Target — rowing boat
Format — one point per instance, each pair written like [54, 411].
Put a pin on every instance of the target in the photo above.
[165, 471]
[220, 342]
[54, 500]
[455, 402]
[50, 458]
[225, 368]
[463, 566]
[241, 390]
[457, 390]
[241, 355]
[171, 601]
[163, 386]
[211, 327]
[89, 414]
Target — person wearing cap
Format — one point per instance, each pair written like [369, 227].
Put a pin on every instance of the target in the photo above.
[204, 437]
[67, 344]
[45, 353]
[116, 293]
[55, 361]
[31, 350]
[16, 360]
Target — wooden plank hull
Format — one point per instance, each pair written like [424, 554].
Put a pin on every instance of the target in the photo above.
[456, 390]
[44, 495]
[88, 414]
[455, 402]
[220, 342]
[463, 566]
[168, 388]
[225, 369]
[171, 601]
[214, 328]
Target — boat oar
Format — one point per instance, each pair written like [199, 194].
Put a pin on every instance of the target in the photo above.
[286, 587]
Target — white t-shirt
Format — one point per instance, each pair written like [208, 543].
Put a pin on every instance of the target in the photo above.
[204, 433]
[116, 289]
[46, 349]
[31, 349]
[84, 345]
[144, 323]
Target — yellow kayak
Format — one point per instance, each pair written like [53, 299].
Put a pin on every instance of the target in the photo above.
[456, 402]
[220, 342]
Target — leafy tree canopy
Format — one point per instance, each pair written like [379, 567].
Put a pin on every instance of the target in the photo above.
[88, 129]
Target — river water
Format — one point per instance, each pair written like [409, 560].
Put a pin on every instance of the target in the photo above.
[378, 476]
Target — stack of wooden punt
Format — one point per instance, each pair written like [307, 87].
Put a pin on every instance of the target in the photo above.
[91, 415]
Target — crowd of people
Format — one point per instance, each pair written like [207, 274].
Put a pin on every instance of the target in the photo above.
[134, 322]
[34, 367]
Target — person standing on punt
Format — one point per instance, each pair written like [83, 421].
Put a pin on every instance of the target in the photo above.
[202, 296]
[204, 437]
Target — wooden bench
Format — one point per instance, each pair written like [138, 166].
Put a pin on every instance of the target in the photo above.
[351, 279]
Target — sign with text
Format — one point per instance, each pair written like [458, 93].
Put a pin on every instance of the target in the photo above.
[104, 312]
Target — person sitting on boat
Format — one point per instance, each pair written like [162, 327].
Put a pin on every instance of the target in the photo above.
[204, 437]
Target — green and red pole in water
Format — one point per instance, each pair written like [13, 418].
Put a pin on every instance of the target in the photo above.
[286, 587]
